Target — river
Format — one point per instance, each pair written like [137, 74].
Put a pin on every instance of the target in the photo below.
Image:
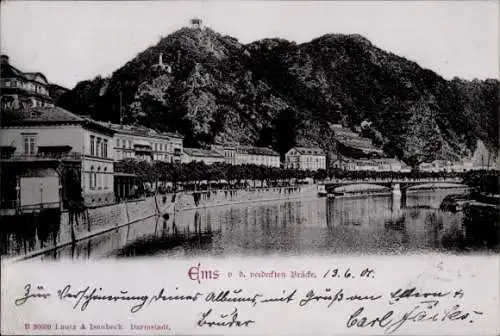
[318, 226]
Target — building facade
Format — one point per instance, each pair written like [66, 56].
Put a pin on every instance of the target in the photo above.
[142, 143]
[22, 89]
[378, 165]
[201, 155]
[228, 151]
[446, 166]
[235, 154]
[75, 152]
[260, 156]
[304, 158]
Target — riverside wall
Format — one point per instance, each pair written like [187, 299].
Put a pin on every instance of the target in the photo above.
[62, 228]
[211, 198]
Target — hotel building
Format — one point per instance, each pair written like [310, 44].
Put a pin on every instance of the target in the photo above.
[305, 158]
[142, 143]
[45, 151]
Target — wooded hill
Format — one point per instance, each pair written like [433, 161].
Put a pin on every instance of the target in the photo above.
[277, 93]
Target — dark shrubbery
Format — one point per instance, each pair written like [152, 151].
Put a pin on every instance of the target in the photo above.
[483, 181]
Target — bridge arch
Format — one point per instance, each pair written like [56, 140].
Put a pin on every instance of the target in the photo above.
[437, 185]
[359, 187]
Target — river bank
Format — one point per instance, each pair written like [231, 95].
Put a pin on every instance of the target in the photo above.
[38, 233]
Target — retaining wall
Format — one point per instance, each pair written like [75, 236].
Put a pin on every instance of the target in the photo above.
[71, 228]
[204, 199]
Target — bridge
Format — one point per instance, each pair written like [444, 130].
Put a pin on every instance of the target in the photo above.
[401, 184]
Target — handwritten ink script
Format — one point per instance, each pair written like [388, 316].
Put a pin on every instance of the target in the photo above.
[234, 307]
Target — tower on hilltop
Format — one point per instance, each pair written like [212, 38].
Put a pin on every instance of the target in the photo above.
[162, 66]
[196, 23]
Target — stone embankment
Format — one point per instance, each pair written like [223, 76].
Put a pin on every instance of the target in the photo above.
[65, 228]
[210, 198]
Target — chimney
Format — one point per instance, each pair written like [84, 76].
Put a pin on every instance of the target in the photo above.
[5, 59]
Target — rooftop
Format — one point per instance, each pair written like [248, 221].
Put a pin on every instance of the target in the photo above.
[391, 161]
[139, 130]
[9, 71]
[310, 150]
[48, 116]
[256, 150]
[202, 152]
[37, 115]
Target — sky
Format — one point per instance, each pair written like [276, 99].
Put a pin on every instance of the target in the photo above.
[73, 41]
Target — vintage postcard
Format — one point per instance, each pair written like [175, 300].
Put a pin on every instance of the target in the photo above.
[249, 168]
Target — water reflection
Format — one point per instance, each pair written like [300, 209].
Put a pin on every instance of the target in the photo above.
[373, 225]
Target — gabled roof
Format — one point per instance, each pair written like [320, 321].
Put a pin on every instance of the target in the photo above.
[9, 71]
[139, 130]
[39, 115]
[173, 135]
[34, 76]
[202, 152]
[256, 150]
[309, 150]
[48, 116]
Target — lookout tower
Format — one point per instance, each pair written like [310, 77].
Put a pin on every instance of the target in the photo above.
[162, 66]
[196, 23]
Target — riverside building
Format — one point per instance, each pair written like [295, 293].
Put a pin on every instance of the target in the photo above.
[236, 154]
[145, 144]
[305, 158]
[48, 154]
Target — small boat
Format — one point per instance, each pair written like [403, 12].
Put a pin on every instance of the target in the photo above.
[322, 190]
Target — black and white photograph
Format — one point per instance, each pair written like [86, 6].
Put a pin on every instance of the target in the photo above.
[148, 131]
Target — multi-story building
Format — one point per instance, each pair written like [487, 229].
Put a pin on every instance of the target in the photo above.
[228, 151]
[22, 89]
[378, 165]
[48, 154]
[260, 156]
[305, 158]
[201, 155]
[446, 166]
[237, 155]
[142, 143]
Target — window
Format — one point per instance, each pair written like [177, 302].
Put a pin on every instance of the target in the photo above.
[130, 144]
[92, 145]
[98, 147]
[99, 178]
[29, 144]
[105, 148]
[106, 177]
[91, 178]
[117, 143]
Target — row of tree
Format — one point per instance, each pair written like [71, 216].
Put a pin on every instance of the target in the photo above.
[199, 171]
[196, 172]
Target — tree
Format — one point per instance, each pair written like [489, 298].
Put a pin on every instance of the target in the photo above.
[285, 126]
[424, 140]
